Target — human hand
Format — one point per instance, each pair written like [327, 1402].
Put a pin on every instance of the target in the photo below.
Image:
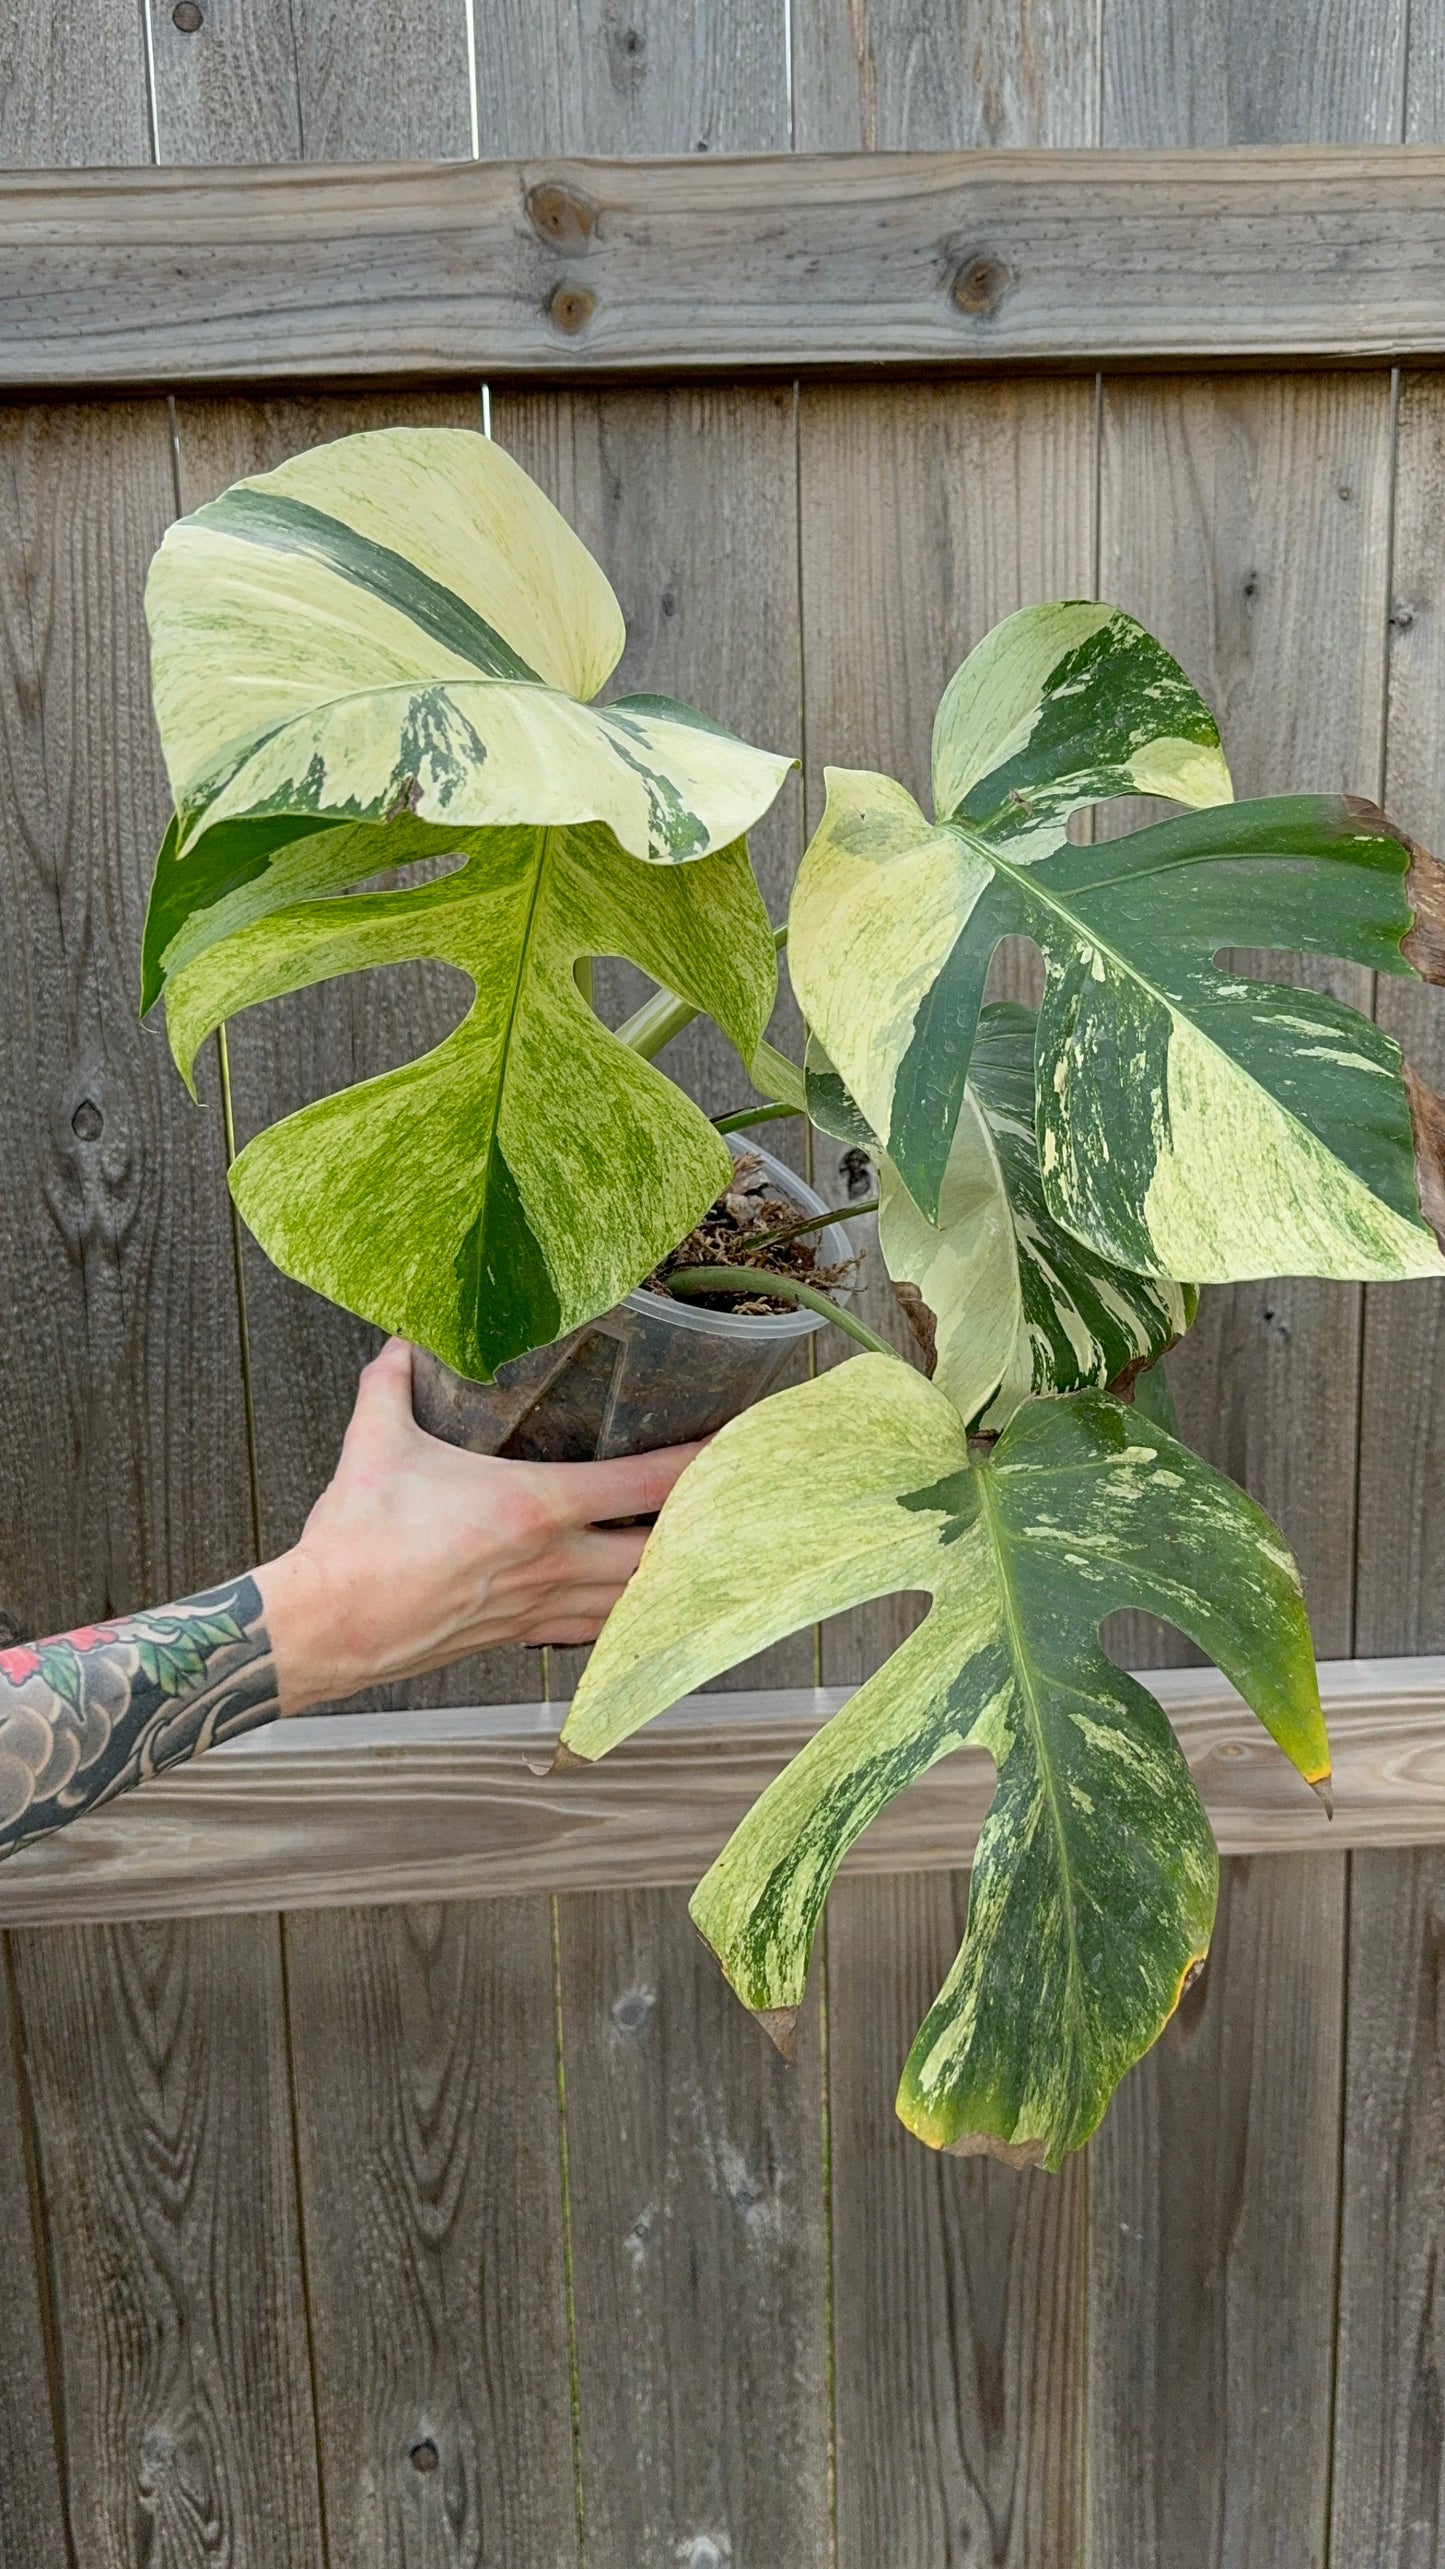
[417, 1554]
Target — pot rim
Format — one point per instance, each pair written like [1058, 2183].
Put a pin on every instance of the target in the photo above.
[758, 1325]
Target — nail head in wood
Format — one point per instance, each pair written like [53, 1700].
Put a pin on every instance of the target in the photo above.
[188, 16]
[571, 308]
[560, 216]
[981, 284]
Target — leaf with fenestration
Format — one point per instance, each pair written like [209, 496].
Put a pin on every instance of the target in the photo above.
[1016, 1303]
[1094, 1881]
[1190, 1122]
[383, 652]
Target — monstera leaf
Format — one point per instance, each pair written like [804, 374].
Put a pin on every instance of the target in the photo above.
[1094, 1880]
[1190, 1123]
[381, 653]
[1005, 1301]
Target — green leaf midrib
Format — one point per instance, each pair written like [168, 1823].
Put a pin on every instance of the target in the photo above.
[504, 1048]
[1024, 1676]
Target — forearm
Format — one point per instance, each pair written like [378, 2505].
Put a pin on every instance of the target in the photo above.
[87, 1714]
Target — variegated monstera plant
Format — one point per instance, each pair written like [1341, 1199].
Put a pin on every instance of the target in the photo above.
[388, 651]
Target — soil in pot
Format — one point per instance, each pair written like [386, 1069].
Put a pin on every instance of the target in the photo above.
[654, 1370]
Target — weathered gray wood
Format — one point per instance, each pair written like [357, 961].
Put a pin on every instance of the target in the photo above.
[157, 2061]
[593, 76]
[975, 262]
[442, 1805]
[306, 1353]
[1389, 2455]
[33, 2529]
[958, 2287]
[688, 499]
[1257, 71]
[1247, 522]
[885, 75]
[1401, 1563]
[74, 87]
[120, 1379]
[1213, 2195]
[695, 2159]
[297, 80]
[927, 513]
[431, 2185]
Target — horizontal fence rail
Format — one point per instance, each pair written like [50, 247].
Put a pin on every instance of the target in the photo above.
[360, 1808]
[839, 261]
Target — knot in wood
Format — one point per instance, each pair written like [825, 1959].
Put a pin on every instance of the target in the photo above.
[559, 216]
[980, 285]
[571, 308]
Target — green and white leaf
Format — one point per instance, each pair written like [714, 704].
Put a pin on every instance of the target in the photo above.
[523, 1175]
[379, 654]
[1190, 1122]
[1094, 1880]
[1019, 1305]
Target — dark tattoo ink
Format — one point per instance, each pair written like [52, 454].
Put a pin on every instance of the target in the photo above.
[85, 1715]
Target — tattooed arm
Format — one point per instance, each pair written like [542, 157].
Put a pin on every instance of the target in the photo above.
[414, 1556]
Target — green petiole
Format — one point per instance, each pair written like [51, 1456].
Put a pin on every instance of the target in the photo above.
[691, 1281]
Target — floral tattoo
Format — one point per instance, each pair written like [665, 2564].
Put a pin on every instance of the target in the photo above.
[88, 1713]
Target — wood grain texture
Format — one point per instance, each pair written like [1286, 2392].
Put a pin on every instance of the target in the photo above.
[889, 75]
[1247, 523]
[1389, 2474]
[631, 76]
[689, 500]
[1257, 71]
[120, 1374]
[74, 87]
[958, 2287]
[294, 80]
[426, 2101]
[928, 512]
[1401, 1555]
[968, 262]
[443, 1805]
[34, 2533]
[696, 2181]
[1213, 2193]
[305, 1352]
[157, 2064]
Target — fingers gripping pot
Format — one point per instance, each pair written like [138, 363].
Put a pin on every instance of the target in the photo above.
[650, 1372]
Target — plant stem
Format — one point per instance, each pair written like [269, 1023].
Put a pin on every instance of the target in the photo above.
[810, 1222]
[689, 1281]
[665, 1015]
[747, 1115]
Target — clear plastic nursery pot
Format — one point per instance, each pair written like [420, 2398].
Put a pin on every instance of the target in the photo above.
[650, 1372]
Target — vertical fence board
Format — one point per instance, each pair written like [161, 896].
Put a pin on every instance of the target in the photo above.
[1246, 520]
[426, 2093]
[594, 76]
[688, 499]
[891, 75]
[1401, 1563]
[307, 80]
[1213, 2196]
[305, 1353]
[928, 512]
[157, 2065]
[695, 2158]
[958, 2286]
[126, 1477]
[1389, 2476]
[33, 2530]
[73, 94]
[1254, 71]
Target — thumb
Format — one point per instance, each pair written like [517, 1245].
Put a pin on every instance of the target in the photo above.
[383, 1394]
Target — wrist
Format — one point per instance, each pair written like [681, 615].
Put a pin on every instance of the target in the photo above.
[302, 1628]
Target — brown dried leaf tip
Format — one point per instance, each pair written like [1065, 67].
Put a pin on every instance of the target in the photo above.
[920, 1320]
[565, 1760]
[1427, 1118]
[1424, 947]
[780, 2024]
[1009, 2154]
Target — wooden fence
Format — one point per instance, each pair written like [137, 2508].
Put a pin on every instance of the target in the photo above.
[444, 2229]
